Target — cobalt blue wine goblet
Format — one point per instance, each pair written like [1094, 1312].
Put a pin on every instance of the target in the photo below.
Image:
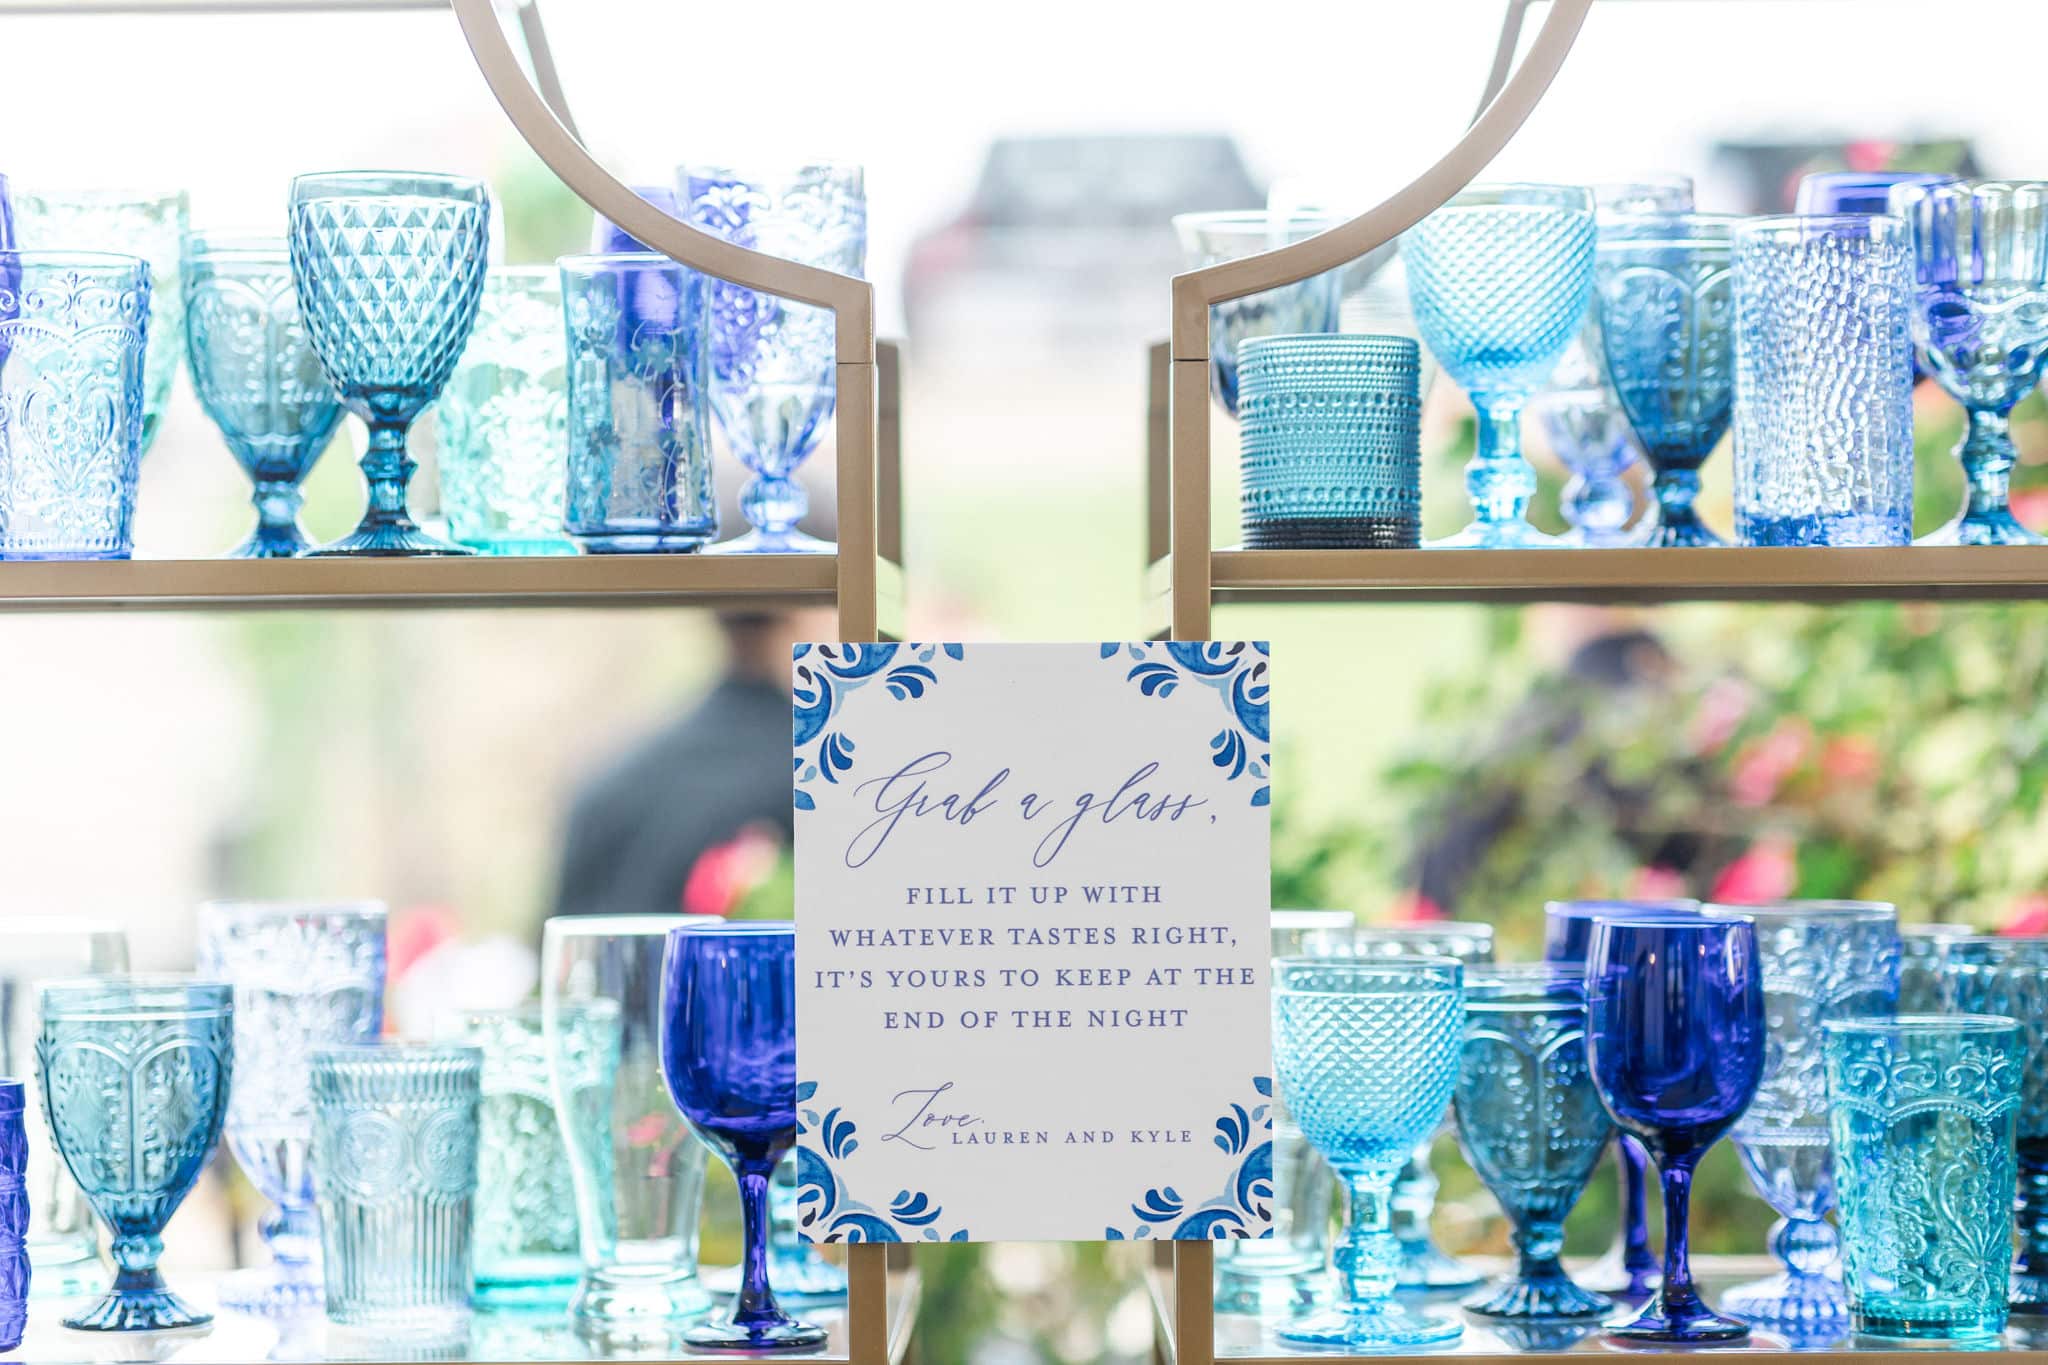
[1675, 1023]
[390, 271]
[728, 1051]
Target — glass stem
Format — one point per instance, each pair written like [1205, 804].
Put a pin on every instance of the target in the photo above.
[1675, 490]
[773, 504]
[1538, 1245]
[277, 508]
[1635, 1197]
[756, 1304]
[1368, 1258]
[293, 1236]
[1806, 1246]
[135, 1260]
[1681, 1297]
[1414, 1198]
[1986, 455]
[1499, 481]
[388, 469]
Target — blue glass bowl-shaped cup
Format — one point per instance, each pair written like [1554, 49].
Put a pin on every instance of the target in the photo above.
[728, 1049]
[1365, 1051]
[390, 272]
[1676, 1042]
[1531, 1126]
[774, 379]
[14, 1214]
[306, 975]
[257, 377]
[135, 1074]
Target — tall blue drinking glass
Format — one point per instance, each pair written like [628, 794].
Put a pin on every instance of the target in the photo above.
[135, 1074]
[1365, 1051]
[390, 270]
[1308, 306]
[1675, 1022]
[728, 1050]
[14, 1262]
[1500, 278]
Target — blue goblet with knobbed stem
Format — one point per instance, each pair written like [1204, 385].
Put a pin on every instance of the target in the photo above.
[773, 362]
[1531, 1125]
[1821, 960]
[257, 377]
[135, 1073]
[1500, 278]
[1366, 1054]
[1676, 1039]
[390, 271]
[1307, 306]
[728, 1051]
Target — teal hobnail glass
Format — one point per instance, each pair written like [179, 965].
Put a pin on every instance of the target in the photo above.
[390, 271]
[1307, 306]
[135, 1073]
[1922, 1110]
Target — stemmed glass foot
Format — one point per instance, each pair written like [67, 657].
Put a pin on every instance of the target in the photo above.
[1613, 1276]
[390, 539]
[1270, 1292]
[1362, 1327]
[1427, 1270]
[138, 1302]
[1546, 1293]
[1996, 527]
[1685, 1324]
[760, 542]
[1808, 1307]
[273, 1292]
[1497, 535]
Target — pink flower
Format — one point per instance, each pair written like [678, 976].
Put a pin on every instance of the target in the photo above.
[1656, 884]
[1764, 872]
[1763, 766]
[1870, 154]
[1412, 906]
[1721, 711]
[1850, 759]
[723, 874]
[2029, 915]
[2030, 505]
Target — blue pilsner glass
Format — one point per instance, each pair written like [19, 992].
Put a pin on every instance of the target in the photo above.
[1500, 278]
[1675, 1022]
[14, 1212]
[135, 1074]
[728, 1050]
[257, 377]
[1366, 1054]
[1531, 1125]
[1923, 965]
[390, 270]
[1307, 306]
[1821, 960]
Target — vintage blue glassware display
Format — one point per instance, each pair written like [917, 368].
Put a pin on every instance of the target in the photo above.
[1308, 306]
[1331, 441]
[135, 1072]
[390, 270]
[608, 238]
[774, 376]
[2008, 975]
[306, 975]
[1500, 278]
[1922, 1112]
[1365, 1051]
[1823, 381]
[1923, 965]
[728, 1049]
[257, 377]
[502, 422]
[1821, 960]
[1980, 325]
[639, 452]
[15, 1270]
[1676, 1042]
[72, 331]
[1531, 1125]
[1826, 193]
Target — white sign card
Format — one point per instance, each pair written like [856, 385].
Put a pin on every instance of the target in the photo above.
[1032, 889]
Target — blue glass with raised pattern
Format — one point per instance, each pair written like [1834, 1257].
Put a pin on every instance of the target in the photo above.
[14, 1210]
[1304, 307]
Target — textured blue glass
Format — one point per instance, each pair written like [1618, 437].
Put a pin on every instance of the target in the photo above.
[1922, 1111]
[1365, 1051]
[135, 1074]
[306, 976]
[609, 239]
[773, 370]
[1826, 193]
[1823, 382]
[1822, 960]
[1500, 278]
[14, 1211]
[1675, 1019]
[7, 242]
[728, 1049]
[1664, 293]
[257, 377]
[639, 474]
[1923, 965]
[1531, 1125]
[1310, 305]
[390, 270]
[73, 326]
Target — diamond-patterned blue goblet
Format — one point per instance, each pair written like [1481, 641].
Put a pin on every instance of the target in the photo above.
[390, 270]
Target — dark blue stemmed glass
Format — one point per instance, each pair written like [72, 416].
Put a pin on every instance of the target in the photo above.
[1675, 1040]
[728, 1050]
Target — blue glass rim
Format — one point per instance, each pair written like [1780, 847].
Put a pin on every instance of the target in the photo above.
[133, 996]
[617, 926]
[320, 185]
[103, 197]
[1923, 1026]
[1524, 987]
[250, 246]
[1413, 974]
[1879, 228]
[737, 928]
[1385, 346]
[343, 1058]
[1683, 907]
[94, 262]
[595, 263]
[1435, 928]
[1998, 950]
[1937, 929]
[849, 173]
[1219, 235]
[1670, 231]
[1529, 194]
[1796, 911]
[260, 912]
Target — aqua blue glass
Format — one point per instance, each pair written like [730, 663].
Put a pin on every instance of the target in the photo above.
[1500, 277]
[1531, 1125]
[1823, 381]
[1923, 965]
[728, 1050]
[1365, 1051]
[1828, 193]
[307, 975]
[1308, 306]
[639, 452]
[774, 376]
[1980, 325]
[72, 334]
[14, 1210]
[1821, 960]
[135, 1072]
[1922, 1111]
[1676, 1043]
[257, 377]
[390, 271]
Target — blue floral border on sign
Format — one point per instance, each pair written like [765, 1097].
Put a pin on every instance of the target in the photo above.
[826, 1208]
[831, 675]
[1237, 671]
[1245, 1202]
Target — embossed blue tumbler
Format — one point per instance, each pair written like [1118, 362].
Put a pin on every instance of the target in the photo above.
[390, 270]
[1823, 381]
[1501, 276]
[135, 1072]
[14, 1212]
[1331, 441]
[1310, 305]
